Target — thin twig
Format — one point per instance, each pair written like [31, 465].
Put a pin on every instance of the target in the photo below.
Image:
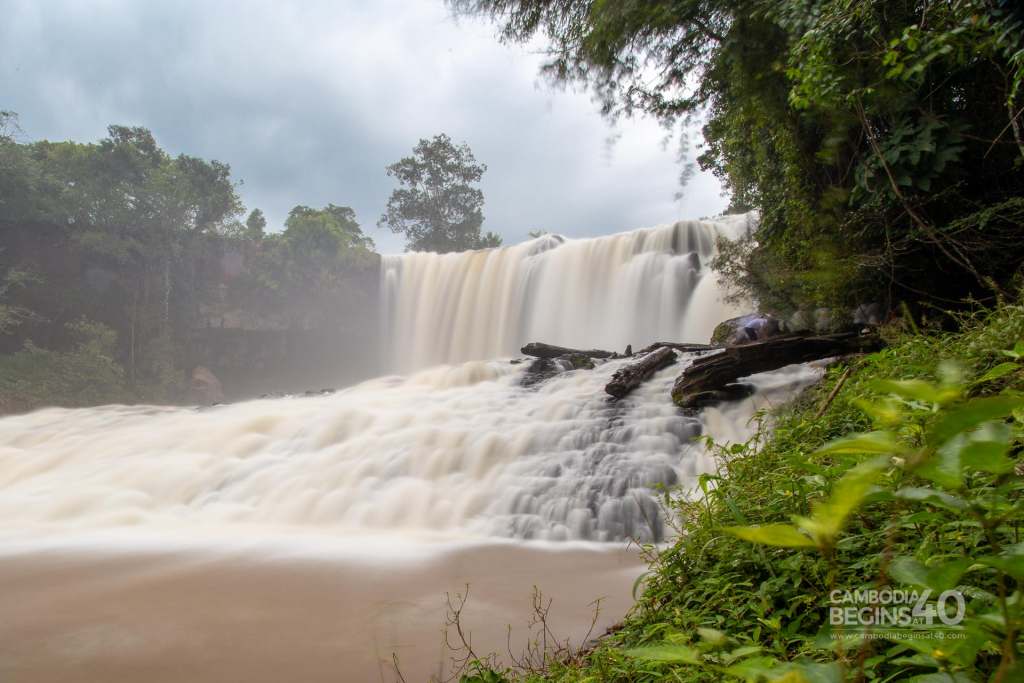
[832, 394]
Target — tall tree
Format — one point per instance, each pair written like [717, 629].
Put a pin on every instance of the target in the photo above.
[255, 225]
[881, 140]
[438, 208]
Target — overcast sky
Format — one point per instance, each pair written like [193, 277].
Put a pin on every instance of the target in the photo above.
[309, 101]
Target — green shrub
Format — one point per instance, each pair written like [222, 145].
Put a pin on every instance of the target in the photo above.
[85, 375]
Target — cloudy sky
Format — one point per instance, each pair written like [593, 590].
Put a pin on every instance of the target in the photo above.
[309, 101]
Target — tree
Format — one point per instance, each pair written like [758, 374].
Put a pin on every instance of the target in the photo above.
[437, 207]
[880, 140]
[255, 225]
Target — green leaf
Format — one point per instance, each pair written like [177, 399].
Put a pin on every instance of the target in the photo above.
[971, 414]
[1017, 352]
[942, 677]
[987, 449]
[916, 390]
[741, 652]
[932, 496]
[939, 577]
[1010, 561]
[1001, 370]
[782, 535]
[808, 672]
[711, 636]
[828, 518]
[938, 645]
[753, 669]
[679, 654]
[883, 412]
[868, 442]
[984, 449]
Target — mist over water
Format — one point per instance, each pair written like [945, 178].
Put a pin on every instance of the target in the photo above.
[377, 499]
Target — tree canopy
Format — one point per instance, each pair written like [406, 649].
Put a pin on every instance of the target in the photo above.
[121, 242]
[437, 206]
[881, 140]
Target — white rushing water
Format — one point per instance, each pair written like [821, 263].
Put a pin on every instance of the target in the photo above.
[634, 288]
[313, 537]
[458, 450]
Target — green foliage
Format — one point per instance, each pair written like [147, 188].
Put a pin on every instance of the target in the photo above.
[869, 134]
[151, 246]
[304, 276]
[255, 225]
[87, 374]
[909, 479]
[437, 207]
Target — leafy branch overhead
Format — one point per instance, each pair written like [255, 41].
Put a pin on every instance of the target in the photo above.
[882, 141]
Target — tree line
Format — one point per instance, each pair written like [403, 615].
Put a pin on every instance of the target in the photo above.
[882, 141]
[113, 253]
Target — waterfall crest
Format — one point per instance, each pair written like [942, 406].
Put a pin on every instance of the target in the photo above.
[605, 292]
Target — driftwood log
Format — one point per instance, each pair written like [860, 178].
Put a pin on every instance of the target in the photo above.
[629, 377]
[542, 350]
[678, 346]
[712, 378]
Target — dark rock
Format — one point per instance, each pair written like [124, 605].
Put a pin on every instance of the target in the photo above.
[578, 361]
[747, 329]
[204, 387]
[538, 371]
[730, 392]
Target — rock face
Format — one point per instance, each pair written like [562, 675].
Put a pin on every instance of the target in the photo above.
[747, 329]
[205, 388]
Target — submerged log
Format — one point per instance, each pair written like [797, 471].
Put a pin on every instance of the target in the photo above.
[698, 384]
[629, 377]
[542, 350]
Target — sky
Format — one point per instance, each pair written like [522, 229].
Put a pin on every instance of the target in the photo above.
[309, 101]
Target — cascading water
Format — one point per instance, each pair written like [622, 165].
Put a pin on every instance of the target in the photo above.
[463, 450]
[606, 292]
[389, 493]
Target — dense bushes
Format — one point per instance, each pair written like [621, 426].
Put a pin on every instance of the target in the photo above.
[87, 374]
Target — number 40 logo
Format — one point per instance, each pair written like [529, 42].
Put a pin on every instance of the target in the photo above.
[928, 612]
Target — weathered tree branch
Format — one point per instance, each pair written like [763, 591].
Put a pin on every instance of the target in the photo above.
[702, 381]
[542, 350]
[629, 377]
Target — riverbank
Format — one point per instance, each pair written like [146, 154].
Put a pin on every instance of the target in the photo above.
[716, 607]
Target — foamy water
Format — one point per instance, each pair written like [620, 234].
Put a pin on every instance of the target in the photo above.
[634, 287]
[314, 538]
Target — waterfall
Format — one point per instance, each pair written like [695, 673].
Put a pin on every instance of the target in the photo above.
[461, 448]
[606, 292]
[307, 533]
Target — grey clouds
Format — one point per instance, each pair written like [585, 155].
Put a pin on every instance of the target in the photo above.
[308, 101]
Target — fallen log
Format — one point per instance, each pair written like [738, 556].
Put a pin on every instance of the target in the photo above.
[629, 377]
[716, 372]
[678, 346]
[542, 350]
